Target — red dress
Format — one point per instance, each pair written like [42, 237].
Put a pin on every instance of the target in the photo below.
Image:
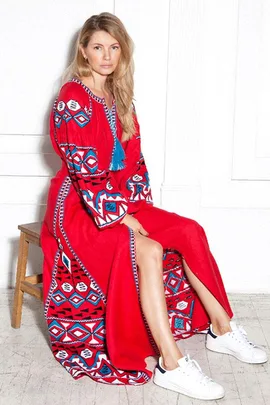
[90, 277]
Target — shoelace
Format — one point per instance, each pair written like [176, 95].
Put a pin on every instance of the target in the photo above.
[243, 336]
[194, 367]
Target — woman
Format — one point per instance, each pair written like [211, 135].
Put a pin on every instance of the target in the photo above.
[123, 279]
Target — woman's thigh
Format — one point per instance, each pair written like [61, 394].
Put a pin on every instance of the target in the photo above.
[155, 219]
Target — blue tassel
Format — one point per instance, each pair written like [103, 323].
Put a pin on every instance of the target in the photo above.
[118, 155]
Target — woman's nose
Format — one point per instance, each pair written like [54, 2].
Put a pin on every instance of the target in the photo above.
[107, 55]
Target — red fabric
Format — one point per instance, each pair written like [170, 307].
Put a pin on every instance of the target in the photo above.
[91, 292]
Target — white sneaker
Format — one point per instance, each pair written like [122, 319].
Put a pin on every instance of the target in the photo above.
[237, 344]
[188, 379]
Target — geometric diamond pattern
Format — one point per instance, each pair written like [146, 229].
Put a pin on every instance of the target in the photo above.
[173, 282]
[56, 330]
[66, 261]
[68, 111]
[79, 332]
[58, 298]
[76, 300]
[81, 159]
[93, 297]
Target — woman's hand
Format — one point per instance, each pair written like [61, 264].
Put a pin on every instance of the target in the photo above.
[134, 224]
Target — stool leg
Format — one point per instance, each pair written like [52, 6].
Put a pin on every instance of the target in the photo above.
[20, 276]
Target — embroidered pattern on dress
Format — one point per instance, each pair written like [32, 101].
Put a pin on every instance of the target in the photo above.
[109, 207]
[75, 315]
[72, 312]
[105, 203]
[139, 184]
[180, 296]
[81, 159]
[61, 218]
[118, 154]
[97, 294]
[71, 110]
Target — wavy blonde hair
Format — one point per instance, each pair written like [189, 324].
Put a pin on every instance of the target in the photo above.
[120, 82]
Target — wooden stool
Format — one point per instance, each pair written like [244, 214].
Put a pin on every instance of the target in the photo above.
[30, 233]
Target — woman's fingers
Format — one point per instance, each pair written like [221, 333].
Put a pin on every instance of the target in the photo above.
[135, 225]
[143, 231]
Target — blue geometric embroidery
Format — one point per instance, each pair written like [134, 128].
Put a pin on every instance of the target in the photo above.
[57, 119]
[81, 119]
[99, 331]
[76, 300]
[79, 332]
[105, 370]
[110, 206]
[66, 261]
[58, 298]
[56, 330]
[93, 297]
[139, 184]
[173, 282]
[179, 323]
[82, 160]
[70, 111]
[67, 116]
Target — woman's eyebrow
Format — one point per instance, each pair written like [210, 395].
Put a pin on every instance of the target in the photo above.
[96, 43]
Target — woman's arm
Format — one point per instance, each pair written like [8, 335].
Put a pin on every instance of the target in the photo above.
[137, 183]
[78, 148]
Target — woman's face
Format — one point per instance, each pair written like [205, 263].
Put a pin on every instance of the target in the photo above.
[103, 52]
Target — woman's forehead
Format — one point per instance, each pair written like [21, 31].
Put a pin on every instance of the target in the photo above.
[102, 38]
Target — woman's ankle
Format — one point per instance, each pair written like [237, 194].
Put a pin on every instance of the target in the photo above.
[170, 363]
[220, 329]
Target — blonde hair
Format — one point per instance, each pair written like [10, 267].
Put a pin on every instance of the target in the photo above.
[120, 82]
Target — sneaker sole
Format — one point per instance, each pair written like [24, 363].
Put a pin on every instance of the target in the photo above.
[185, 392]
[229, 352]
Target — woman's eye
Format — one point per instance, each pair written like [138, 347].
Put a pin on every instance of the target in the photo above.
[99, 47]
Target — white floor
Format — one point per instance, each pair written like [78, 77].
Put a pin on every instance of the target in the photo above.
[30, 375]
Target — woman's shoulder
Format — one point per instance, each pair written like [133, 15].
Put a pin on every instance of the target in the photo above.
[72, 90]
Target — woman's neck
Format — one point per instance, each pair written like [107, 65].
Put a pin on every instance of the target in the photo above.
[96, 85]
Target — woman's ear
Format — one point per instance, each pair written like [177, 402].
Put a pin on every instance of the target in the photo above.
[82, 51]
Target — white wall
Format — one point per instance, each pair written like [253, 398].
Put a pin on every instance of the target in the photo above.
[201, 87]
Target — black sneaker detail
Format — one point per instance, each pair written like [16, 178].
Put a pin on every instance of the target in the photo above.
[160, 368]
[212, 334]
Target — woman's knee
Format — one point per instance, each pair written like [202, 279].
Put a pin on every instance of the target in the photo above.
[192, 227]
[147, 249]
[155, 249]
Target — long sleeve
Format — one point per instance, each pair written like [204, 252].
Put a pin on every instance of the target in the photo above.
[83, 151]
[138, 183]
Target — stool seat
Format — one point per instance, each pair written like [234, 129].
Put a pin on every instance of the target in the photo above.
[32, 229]
[30, 233]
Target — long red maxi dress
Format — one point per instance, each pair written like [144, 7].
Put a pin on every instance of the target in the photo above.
[90, 277]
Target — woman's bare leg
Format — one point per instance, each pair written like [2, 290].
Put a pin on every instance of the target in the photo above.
[217, 314]
[153, 302]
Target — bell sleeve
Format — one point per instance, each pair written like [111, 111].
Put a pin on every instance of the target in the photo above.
[138, 182]
[80, 151]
